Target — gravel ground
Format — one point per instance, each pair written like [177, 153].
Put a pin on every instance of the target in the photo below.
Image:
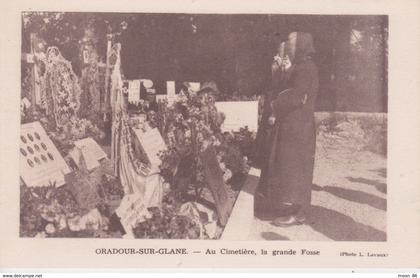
[348, 197]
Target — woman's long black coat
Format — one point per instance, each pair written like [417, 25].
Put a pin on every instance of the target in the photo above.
[288, 169]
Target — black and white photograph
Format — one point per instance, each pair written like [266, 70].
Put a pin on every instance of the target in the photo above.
[184, 126]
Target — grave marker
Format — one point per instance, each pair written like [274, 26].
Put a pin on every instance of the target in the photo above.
[134, 91]
[91, 152]
[170, 91]
[152, 143]
[93, 148]
[195, 86]
[133, 208]
[239, 114]
[40, 161]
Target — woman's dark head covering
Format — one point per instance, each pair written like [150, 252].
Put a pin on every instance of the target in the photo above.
[304, 47]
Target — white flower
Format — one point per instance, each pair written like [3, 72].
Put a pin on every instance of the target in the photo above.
[72, 105]
[93, 219]
[62, 94]
[227, 175]
[101, 135]
[50, 229]
[166, 186]
[62, 224]
[41, 235]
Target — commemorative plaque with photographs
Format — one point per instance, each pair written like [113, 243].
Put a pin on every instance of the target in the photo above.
[40, 162]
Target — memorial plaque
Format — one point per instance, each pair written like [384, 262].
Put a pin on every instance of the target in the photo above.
[40, 162]
[90, 162]
[239, 114]
[214, 178]
[171, 99]
[92, 147]
[170, 90]
[195, 86]
[134, 91]
[132, 210]
[90, 150]
[152, 143]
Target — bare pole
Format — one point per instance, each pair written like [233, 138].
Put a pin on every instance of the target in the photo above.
[107, 73]
[33, 93]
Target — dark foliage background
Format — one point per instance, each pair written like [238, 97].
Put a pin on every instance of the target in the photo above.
[235, 51]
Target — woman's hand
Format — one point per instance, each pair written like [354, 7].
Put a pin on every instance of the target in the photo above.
[281, 62]
[286, 62]
[275, 66]
[271, 120]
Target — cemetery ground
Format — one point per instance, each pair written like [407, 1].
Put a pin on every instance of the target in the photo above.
[348, 193]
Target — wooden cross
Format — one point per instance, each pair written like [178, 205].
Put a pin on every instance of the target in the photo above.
[29, 58]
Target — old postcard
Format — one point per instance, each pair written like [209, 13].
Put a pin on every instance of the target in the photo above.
[210, 134]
